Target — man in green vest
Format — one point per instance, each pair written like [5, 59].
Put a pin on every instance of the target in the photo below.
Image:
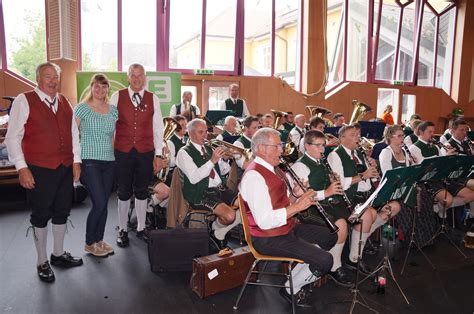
[204, 182]
[230, 127]
[349, 165]
[457, 192]
[328, 191]
[250, 124]
[413, 137]
[289, 123]
[185, 108]
[177, 140]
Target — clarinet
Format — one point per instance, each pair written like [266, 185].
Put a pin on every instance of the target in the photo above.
[332, 227]
[411, 160]
[333, 177]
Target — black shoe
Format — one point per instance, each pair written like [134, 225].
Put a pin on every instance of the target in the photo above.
[221, 244]
[339, 276]
[45, 272]
[301, 299]
[66, 260]
[364, 269]
[122, 238]
[142, 235]
[370, 247]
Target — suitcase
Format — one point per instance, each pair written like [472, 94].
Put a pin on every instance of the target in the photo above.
[213, 274]
[174, 249]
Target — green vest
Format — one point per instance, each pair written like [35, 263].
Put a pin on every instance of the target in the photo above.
[191, 107]
[413, 138]
[407, 130]
[177, 143]
[247, 144]
[448, 136]
[426, 150]
[350, 168]
[318, 178]
[288, 126]
[193, 192]
[225, 134]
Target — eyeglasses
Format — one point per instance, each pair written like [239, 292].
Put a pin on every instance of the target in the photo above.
[317, 144]
[281, 145]
[399, 135]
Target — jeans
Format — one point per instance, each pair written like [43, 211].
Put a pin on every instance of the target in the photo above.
[98, 177]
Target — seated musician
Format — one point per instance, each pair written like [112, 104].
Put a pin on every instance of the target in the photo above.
[230, 126]
[289, 123]
[351, 166]
[393, 156]
[459, 140]
[456, 192]
[297, 133]
[315, 123]
[448, 133]
[413, 136]
[339, 120]
[309, 168]
[203, 182]
[267, 120]
[250, 124]
[409, 128]
[271, 216]
[177, 140]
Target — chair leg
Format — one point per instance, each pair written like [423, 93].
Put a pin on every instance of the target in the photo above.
[245, 284]
[290, 278]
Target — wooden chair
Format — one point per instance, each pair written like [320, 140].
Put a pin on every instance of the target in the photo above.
[260, 257]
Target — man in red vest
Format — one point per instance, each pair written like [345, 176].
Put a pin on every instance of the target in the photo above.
[138, 148]
[43, 143]
[271, 217]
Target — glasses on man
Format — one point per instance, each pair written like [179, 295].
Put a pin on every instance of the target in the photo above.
[317, 144]
[281, 145]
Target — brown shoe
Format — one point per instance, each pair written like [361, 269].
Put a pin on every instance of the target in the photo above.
[95, 250]
[105, 247]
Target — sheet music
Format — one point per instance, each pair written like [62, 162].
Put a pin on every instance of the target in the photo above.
[359, 209]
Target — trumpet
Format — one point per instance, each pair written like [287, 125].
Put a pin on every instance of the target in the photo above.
[231, 150]
[331, 139]
[334, 177]
[306, 216]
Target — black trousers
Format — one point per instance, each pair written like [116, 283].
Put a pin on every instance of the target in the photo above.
[300, 243]
[134, 173]
[51, 198]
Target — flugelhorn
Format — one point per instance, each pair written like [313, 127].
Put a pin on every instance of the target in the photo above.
[231, 150]
[277, 117]
[170, 126]
[360, 110]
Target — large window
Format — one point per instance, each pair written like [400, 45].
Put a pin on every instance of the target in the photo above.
[25, 43]
[412, 41]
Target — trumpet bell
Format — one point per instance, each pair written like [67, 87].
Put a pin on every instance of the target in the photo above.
[360, 110]
[323, 113]
[231, 150]
[170, 126]
[278, 115]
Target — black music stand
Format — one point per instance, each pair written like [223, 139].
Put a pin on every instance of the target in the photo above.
[217, 115]
[372, 129]
[334, 130]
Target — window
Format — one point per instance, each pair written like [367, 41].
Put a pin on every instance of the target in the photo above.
[25, 42]
[139, 33]
[387, 96]
[408, 107]
[335, 44]
[427, 48]
[387, 34]
[406, 44]
[445, 50]
[357, 41]
[99, 44]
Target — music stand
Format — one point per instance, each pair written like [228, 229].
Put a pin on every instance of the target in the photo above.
[372, 129]
[334, 130]
[443, 169]
[231, 139]
[217, 115]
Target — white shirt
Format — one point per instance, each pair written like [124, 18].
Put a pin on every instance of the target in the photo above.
[443, 138]
[336, 165]
[221, 138]
[240, 161]
[183, 108]
[295, 135]
[407, 140]
[19, 113]
[172, 150]
[385, 159]
[303, 172]
[158, 126]
[255, 192]
[195, 174]
[416, 152]
[245, 111]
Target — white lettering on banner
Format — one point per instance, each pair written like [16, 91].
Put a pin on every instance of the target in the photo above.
[429, 175]
[161, 87]
[398, 193]
[455, 174]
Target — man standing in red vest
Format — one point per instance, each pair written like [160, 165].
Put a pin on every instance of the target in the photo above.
[138, 148]
[271, 217]
[43, 143]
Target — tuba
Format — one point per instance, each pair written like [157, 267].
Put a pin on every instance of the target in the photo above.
[277, 117]
[360, 110]
[323, 113]
[231, 150]
[170, 126]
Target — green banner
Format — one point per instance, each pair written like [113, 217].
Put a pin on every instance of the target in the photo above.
[165, 85]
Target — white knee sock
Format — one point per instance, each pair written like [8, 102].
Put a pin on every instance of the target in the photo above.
[40, 237]
[58, 239]
[220, 230]
[123, 208]
[354, 252]
[377, 223]
[336, 252]
[140, 210]
[299, 267]
[303, 277]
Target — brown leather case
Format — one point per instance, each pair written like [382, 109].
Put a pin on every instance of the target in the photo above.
[213, 274]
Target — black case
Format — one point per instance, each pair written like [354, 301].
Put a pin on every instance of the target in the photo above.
[175, 249]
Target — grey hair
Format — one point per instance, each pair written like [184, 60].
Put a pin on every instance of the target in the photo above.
[228, 118]
[262, 136]
[193, 123]
[134, 66]
[41, 66]
[234, 85]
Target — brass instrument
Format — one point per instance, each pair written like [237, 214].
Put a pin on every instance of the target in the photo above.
[365, 144]
[333, 177]
[289, 147]
[331, 140]
[231, 150]
[306, 215]
[277, 117]
[323, 113]
[170, 126]
[360, 110]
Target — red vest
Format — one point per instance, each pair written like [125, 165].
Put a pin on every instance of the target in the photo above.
[47, 141]
[277, 190]
[134, 127]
